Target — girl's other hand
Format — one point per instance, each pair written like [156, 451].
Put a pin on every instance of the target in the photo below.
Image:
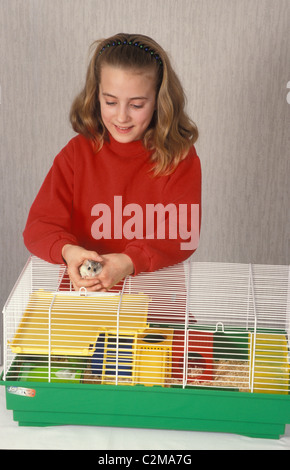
[116, 266]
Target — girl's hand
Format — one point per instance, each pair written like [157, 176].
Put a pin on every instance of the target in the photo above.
[74, 257]
[116, 266]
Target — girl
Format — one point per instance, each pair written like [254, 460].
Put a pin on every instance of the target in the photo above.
[124, 190]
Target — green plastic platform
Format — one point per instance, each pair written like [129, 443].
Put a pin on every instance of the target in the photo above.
[49, 404]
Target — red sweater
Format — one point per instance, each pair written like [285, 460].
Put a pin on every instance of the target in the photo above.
[101, 201]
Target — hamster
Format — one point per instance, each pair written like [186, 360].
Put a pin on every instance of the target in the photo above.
[90, 268]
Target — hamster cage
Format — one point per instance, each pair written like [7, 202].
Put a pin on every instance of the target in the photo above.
[196, 346]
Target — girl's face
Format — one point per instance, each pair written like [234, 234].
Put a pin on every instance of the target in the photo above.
[127, 101]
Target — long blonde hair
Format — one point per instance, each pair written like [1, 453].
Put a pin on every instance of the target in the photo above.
[171, 132]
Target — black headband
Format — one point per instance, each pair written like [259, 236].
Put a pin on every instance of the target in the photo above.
[134, 44]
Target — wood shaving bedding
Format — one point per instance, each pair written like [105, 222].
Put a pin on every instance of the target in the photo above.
[229, 374]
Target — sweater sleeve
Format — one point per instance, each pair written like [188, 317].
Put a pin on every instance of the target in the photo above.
[175, 235]
[48, 227]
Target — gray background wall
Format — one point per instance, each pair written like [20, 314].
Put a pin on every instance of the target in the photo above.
[233, 58]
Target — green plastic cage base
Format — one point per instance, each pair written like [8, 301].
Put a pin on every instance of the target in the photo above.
[49, 404]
